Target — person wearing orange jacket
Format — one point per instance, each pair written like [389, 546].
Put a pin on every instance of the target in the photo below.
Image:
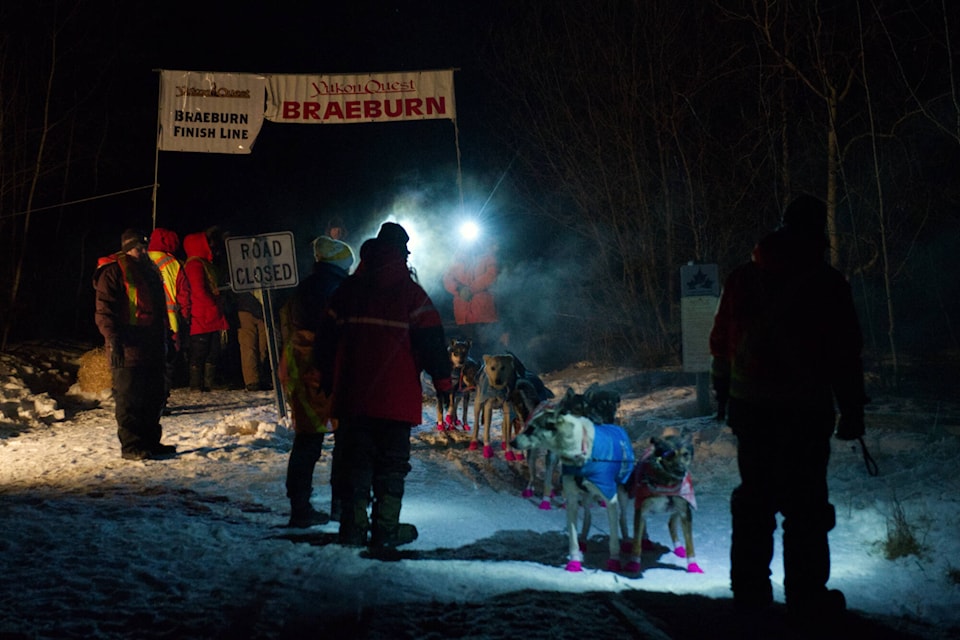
[470, 280]
[163, 246]
[201, 304]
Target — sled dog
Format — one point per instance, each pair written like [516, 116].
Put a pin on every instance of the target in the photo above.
[597, 461]
[524, 399]
[463, 375]
[497, 378]
[661, 483]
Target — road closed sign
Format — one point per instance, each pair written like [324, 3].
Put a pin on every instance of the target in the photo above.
[267, 261]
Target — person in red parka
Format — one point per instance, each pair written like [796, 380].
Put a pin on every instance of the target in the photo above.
[380, 330]
[786, 347]
[470, 280]
[201, 305]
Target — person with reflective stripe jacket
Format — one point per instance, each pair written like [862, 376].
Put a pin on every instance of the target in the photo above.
[131, 318]
[380, 331]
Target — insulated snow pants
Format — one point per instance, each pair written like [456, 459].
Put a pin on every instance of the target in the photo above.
[374, 456]
[782, 456]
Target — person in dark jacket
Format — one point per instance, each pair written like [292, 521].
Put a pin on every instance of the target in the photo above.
[786, 346]
[301, 383]
[381, 329]
[132, 317]
[201, 304]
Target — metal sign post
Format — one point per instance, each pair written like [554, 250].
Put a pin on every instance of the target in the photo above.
[264, 263]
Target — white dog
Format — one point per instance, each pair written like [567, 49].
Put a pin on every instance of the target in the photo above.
[597, 461]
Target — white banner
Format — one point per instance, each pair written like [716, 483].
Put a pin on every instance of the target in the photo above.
[210, 112]
[373, 97]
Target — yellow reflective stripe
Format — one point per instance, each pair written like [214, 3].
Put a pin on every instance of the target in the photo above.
[297, 390]
[132, 296]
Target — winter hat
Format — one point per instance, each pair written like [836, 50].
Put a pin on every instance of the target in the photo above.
[335, 252]
[164, 240]
[806, 214]
[131, 238]
[394, 235]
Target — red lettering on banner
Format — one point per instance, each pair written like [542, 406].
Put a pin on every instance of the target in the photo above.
[333, 110]
[291, 110]
[397, 109]
[311, 110]
[366, 109]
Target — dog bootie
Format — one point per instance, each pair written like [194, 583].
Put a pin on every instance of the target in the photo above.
[545, 505]
[527, 493]
[680, 552]
[510, 455]
[693, 567]
[473, 446]
[487, 451]
[574, 566]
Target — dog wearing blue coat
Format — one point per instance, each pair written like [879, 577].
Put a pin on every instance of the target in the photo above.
[597, 465]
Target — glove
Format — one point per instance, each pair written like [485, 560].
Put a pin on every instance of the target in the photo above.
[721, 386]
[443, 385]
[116, 355]
[850, 426]
[465, 293]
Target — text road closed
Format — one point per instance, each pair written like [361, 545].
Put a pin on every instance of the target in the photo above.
[266, 261]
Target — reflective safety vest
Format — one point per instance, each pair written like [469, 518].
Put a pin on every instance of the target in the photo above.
[134, 315]
[169, 268]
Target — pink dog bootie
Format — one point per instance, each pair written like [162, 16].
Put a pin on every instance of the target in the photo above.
[487, 451]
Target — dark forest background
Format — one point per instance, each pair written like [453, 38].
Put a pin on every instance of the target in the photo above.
[617, 141]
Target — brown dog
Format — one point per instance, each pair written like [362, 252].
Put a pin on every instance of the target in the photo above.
[661, 484]
[497, 378]
[464, 378]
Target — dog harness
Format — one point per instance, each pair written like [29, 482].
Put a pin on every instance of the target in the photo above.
[643, 488]
[460, 384]
[610, 462]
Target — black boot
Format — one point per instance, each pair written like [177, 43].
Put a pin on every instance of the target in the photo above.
[196, 378]
[354, 523]
[388, 531]
[302, 517]
[209, 376]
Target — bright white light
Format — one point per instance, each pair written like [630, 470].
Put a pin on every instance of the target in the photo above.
[470, 230]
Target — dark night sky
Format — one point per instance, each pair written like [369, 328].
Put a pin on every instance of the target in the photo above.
[308, 171]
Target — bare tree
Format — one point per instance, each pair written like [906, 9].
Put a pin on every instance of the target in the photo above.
[619, 118]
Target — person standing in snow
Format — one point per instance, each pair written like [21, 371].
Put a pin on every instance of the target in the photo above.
[786, 346]
[131, 315]
[381, 329]
[163, 246]
[470, 280]
[201, 305]
[252, 340]
[301, 382]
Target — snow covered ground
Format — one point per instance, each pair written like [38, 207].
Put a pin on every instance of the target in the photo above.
[93, 546]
